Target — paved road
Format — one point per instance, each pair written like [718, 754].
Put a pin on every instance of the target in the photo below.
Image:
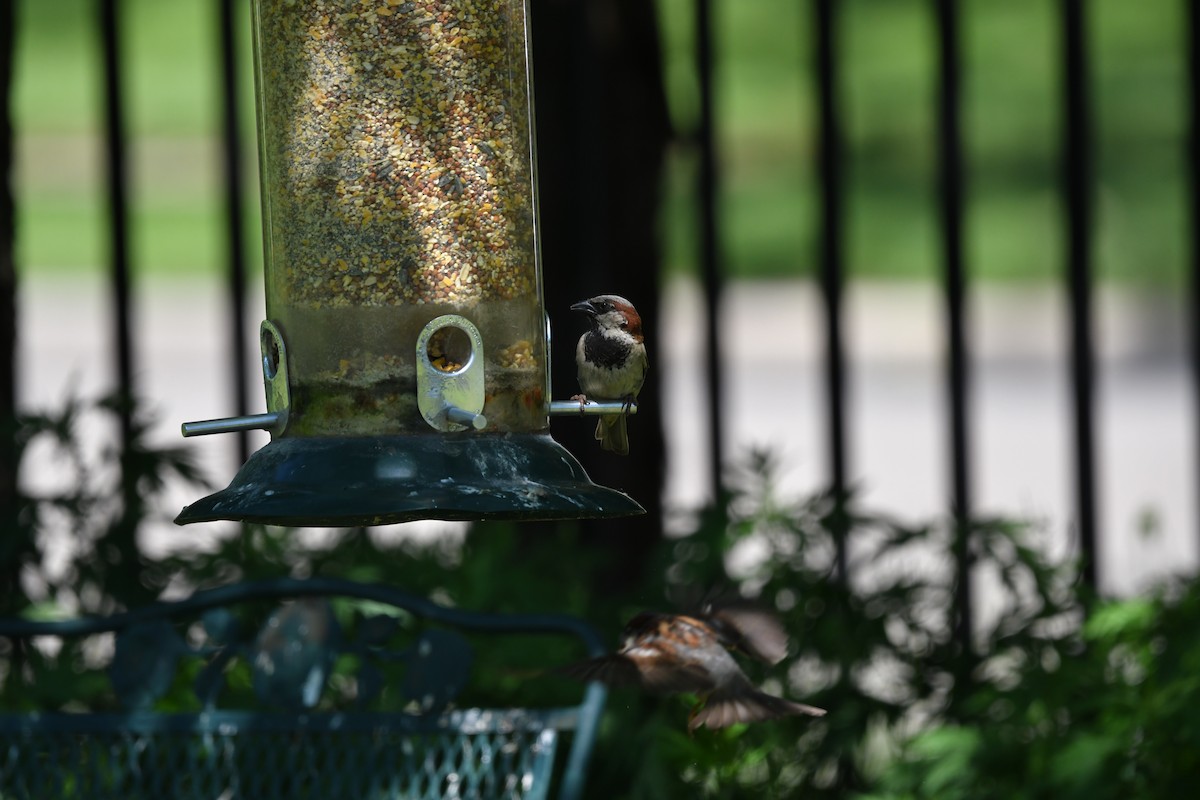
[1020, 422]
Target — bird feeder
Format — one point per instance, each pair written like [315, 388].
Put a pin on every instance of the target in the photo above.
[405, 348]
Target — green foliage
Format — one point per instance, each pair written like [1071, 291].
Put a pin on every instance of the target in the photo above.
[1044, 703]
[95, 504]
[877, 650]
[1115, 719]
[92, 510]
[886, 60]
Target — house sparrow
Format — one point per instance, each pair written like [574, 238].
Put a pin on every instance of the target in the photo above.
[676, 653]
[611, 357]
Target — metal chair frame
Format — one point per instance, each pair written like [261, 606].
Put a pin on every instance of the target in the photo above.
[46, 753]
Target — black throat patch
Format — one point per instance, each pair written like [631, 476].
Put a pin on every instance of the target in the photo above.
[605, 351]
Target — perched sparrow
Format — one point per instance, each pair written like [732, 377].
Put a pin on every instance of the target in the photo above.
[611, 357]
[675, 653]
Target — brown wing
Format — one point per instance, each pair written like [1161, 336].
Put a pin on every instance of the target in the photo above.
[652, 671]
[614, 670]
[752, 630]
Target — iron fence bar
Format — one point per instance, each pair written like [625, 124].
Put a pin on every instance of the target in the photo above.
[1192, 151]
[1077, 180]
[118, 206]
[8, 271]
[235, 235]
[709, 241]
[952, 195]
[829, 154]
[10, 567]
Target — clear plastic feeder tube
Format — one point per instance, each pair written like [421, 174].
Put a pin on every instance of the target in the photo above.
[397, 175]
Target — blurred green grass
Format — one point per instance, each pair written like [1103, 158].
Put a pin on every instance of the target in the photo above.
[765, 108]
[172, 119]
[1012, 89]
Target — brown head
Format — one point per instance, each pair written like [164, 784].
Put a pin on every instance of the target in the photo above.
[609, 311]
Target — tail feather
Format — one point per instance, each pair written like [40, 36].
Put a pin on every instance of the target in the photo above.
[611, 433]
[723, 710]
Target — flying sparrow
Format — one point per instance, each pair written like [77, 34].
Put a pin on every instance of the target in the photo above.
[611, 357]
[676, 653]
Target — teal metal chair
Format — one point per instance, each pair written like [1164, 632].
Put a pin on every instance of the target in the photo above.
[318, 655]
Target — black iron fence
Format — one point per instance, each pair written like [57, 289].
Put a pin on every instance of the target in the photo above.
[1077, 189]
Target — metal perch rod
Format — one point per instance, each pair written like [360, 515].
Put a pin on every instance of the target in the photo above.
[251, 422]
[267, 421]
[591, 407]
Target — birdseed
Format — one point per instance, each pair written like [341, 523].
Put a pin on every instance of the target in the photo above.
[398, 180]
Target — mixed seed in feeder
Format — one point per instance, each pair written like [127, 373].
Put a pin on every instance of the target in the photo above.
[397, 169]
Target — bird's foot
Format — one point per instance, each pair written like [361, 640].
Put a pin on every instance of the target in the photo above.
[701, 701]
[582, 398]
[627, 403]
[692, 719]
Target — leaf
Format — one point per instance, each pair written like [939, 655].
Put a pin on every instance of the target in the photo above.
[211, 679]
[439, 664]
[370, 684]
[377, 629]
[950, 752]
[220, 625]
[1118, 620]
[44, 611]
[143, 664]
[1082, 761]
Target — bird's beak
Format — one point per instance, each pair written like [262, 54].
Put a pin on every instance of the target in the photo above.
[585, 306]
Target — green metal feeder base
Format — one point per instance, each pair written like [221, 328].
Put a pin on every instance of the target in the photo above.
[350, 482]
